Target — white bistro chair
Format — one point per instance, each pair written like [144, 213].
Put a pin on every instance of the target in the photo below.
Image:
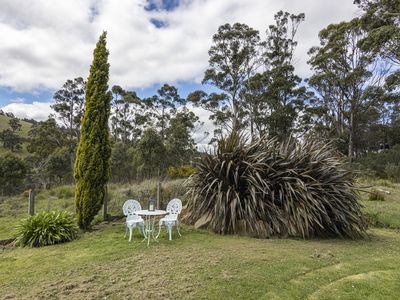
[174, 208]
[132, 220]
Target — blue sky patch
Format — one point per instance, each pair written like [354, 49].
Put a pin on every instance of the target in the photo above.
[8, 96]
[158, 23]
[168, 5]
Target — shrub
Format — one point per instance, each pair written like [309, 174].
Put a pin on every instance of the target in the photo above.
[46, 228]
[181, 172]
[376, 195]
[378, 164]
[393, 171]
[269, 188]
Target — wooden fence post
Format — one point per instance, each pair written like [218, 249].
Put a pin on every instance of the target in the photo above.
[31, 203]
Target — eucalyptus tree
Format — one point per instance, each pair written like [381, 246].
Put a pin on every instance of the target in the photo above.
[275, 97]
[233, 59]
[381, 20]
[180, 145]
[69, 105]
[128, 115]
[347, 78]
[163, 106]
[15, 124]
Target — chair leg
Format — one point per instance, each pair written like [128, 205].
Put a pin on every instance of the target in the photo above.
[170, 232]
[126, 231]
[177, 228]
[130, 233]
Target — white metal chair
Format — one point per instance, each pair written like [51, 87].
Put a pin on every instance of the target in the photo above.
[129, 209]
[174, 208]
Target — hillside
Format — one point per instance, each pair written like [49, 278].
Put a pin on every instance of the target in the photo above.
[23, 133]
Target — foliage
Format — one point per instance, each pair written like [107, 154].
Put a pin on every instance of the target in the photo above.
[275, 97]
[45, 137]
[179, 143]
[384, 164]
[180, 172]
[69, 105]
[164, 105]
[46, 228]
[121, 163]
[376, 195]
[12, 174]
[11, 140]
[393, 171]
[92, 164]
[381, 19]
[15, 124]
[128, 115]
[232, 60]
[269, 188]
[150, 154]
[350, 83]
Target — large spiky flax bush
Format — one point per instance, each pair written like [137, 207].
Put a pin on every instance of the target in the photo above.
[269, 188]
[92, 165]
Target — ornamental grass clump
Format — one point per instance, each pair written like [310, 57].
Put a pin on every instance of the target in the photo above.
[46, 228]
[268, 187]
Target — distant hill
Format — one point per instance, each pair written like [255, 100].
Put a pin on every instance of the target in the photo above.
[26, 126]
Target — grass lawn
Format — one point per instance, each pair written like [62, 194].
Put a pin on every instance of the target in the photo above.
[201, 265]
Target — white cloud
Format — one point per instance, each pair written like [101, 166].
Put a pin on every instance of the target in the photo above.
[37, 110]
[45, 42]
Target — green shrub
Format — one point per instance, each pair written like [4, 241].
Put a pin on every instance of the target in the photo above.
[393, 171]
[376, 164]
[46, 228]
[376, 195]
[181, 172]
[269, 188]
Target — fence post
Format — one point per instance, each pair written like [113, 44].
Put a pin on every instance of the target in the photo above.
[31, 203]
[158, 194]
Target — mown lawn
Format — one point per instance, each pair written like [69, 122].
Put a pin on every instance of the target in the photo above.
[102, 264]
[201, 265]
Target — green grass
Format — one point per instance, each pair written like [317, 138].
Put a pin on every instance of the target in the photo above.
[200, 265]
[24, 129]
[383, 213]
[22, 133]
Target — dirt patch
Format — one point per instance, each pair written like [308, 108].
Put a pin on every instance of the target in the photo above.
[7, 244]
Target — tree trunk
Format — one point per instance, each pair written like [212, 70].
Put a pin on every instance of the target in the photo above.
[351, 136]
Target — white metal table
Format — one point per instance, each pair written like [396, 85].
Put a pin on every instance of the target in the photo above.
[149, 222]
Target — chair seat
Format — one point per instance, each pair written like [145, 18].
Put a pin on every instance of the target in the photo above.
[169, 219]
[134, 221]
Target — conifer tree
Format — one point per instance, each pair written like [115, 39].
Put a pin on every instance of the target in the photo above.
[94, 150]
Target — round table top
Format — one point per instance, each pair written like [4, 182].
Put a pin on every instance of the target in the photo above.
[146, 212]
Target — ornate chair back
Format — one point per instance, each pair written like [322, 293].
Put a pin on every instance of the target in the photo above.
[174, 207]
[130, 207]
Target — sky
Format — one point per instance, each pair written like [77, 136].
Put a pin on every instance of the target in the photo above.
[46, 42]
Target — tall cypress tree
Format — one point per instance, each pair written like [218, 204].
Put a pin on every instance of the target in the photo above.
[92, 165]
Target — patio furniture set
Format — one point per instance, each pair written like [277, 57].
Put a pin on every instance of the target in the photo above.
[145, 219]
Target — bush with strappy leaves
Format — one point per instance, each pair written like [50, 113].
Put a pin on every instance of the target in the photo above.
[46, 228]
[268, 187]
